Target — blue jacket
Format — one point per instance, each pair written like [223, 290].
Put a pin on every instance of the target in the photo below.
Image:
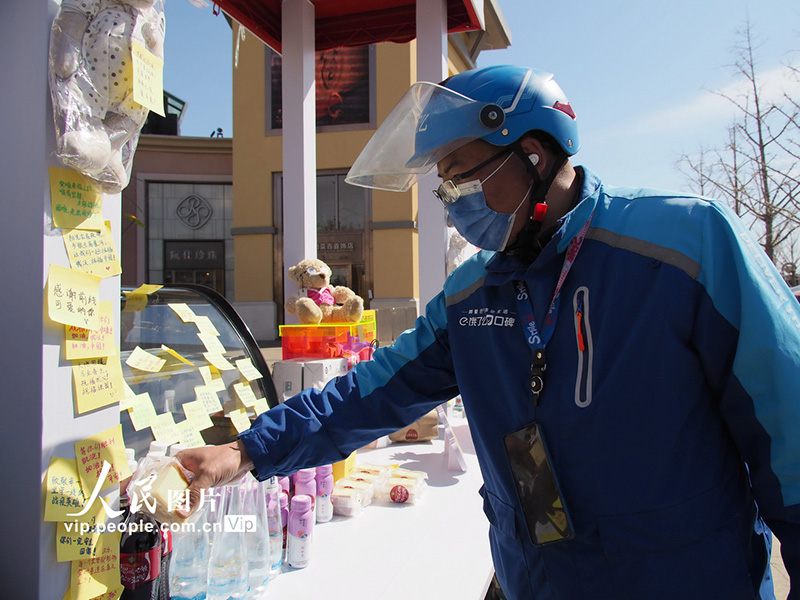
[671, 405]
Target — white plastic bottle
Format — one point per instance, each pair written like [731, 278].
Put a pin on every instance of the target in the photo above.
[273, 493]
[324, 506]
[258, 547]
[227, 567]
[301, 529]
[190, 554]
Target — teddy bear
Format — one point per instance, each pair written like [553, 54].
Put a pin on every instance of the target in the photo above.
[91, 83]
[317, 301]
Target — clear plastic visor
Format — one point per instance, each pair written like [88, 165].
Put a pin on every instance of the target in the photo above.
[428, 123]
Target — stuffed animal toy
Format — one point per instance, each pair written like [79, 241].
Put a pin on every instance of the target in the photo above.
[318, 301]
[91, 83]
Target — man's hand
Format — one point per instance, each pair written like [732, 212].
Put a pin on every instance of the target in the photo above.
[213, 466]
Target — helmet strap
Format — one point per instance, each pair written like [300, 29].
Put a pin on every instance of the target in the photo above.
[528, 245]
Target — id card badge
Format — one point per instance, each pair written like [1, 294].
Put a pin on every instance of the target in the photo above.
[537, 486]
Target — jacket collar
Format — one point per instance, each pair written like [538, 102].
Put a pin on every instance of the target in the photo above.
[502, 267]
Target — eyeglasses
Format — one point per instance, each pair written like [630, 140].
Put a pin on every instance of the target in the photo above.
[448, 191]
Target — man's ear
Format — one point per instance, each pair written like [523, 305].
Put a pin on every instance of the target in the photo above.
[533, 147]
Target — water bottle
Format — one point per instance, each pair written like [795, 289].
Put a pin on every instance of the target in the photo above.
[273, 493]
[301, 528]
[227, 567]
[324, 478]
[284, 505]
[305, 484]
[257, 539]
[190, 552]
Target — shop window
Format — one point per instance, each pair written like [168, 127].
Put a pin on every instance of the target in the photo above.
[345, 79]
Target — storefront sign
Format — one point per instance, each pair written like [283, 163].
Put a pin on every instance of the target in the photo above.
[194, 254]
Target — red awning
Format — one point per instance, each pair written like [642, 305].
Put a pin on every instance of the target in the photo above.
[348, 22]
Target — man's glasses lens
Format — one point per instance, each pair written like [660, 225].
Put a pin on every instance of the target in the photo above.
[447, 192]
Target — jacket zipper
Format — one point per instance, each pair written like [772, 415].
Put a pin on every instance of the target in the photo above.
[583, 339]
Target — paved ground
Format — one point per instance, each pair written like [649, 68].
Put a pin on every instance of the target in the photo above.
[272, 353]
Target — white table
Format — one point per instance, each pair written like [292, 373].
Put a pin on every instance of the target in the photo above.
[436, 549]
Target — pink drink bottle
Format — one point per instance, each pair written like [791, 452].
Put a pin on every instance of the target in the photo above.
[301, 527]
[324, 509]
[305, 483]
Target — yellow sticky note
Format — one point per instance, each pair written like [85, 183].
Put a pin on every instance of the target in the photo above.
[80, 343]
[184, 311]
[204, 325]
[97, 383]
[73, 297]
[76, 540]
[95, 576]
[147, 288]
[189, 434]
[240, 419]
[63, 491]
[205, 373]
[245, 393]
[212, 343]
[260, 406]
[209, 398]
[196, 412]
[134, 302]
[75, 201]
[148, 78]
[248, 370]
[175, 354]
[219, 361]
[93, 252]
[114, 593]
[142, 411]
[144, 361]
[92, 452]
[163, 428]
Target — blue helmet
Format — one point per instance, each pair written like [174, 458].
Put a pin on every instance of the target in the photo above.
[498, 104]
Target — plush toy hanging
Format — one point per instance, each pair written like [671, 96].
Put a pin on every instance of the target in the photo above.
[91, 83]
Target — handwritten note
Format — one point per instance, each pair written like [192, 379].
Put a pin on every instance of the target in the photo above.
[76, 541]
[196, 412]
[144, 361]
[90, 453]
[72, 297]
[98, 575]
[74, 200]
[204, 325]
[148, 78]
[142, 412]
[184, 311]
[240, 419]
[245, 393]
[212, 343]
[260, 406]
[219, 361]
[136, 300]
[98, 382]
[163, 428]
[209, 398]
[93, 252]
[63, 491]
[189, 435]
[247, 369]
[80, 343]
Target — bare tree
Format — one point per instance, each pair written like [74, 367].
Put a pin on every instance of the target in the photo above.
[757, 171]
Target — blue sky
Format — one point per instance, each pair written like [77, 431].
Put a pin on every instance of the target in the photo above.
[640, 75]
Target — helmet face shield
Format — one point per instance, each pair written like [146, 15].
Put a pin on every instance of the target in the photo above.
[419, 132]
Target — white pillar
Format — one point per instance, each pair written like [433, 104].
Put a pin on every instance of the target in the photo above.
[36, 387]
[299, 137]
[431, 66]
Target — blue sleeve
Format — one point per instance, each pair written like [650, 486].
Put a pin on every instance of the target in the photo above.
[402, 382]
[748, 336]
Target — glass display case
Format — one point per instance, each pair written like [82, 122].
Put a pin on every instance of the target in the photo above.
[162, 324]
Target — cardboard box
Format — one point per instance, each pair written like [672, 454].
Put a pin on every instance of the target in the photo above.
[343, 468]
[292, 376]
